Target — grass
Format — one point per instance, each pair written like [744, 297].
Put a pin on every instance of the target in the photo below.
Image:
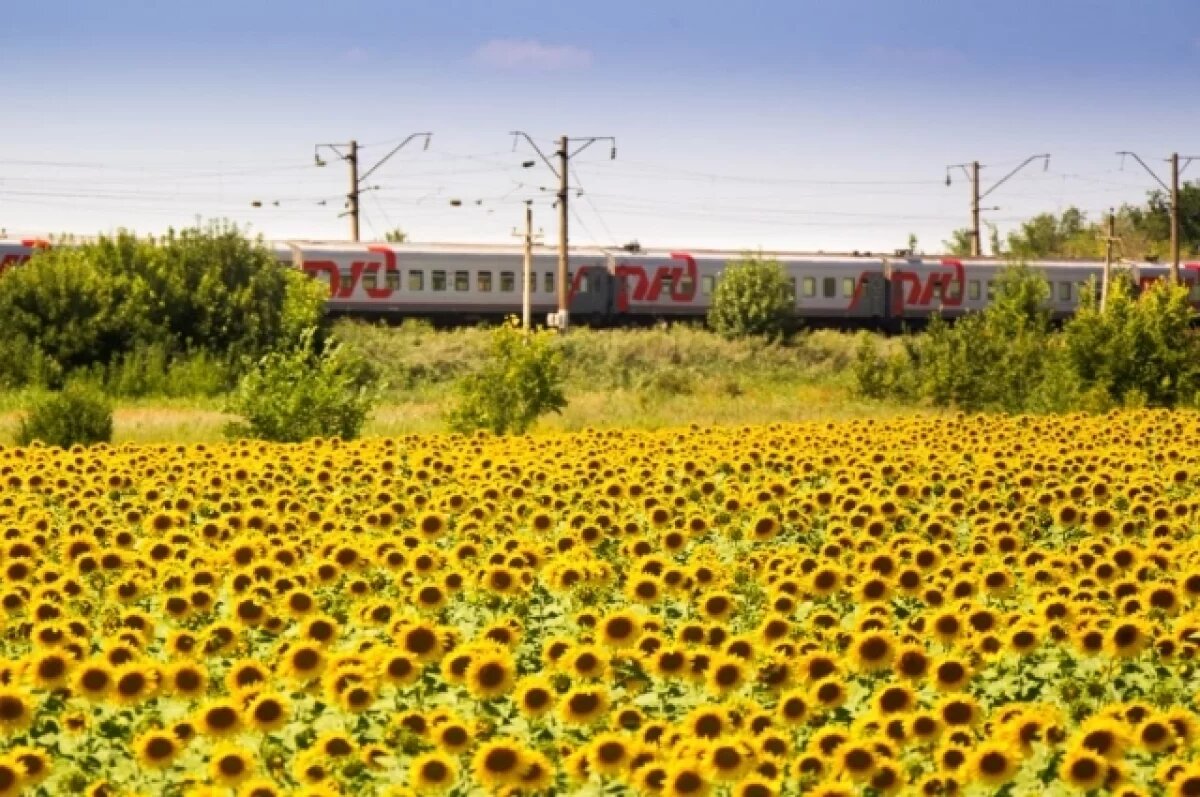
[641, 378]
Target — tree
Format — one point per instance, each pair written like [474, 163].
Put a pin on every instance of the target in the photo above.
[959, 243]
[521, 380]
[753, 297]
[396, 236]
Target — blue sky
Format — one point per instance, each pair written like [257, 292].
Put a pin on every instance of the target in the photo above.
[800, 125]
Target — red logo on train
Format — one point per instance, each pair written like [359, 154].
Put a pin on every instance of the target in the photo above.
[340, 289]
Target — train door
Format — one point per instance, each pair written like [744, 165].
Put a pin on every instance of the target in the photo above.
[872, 302]
[592, 293]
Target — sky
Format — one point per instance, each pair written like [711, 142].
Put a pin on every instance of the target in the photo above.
[806, 125]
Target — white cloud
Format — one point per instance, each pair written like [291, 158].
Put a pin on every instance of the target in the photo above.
[531, 54]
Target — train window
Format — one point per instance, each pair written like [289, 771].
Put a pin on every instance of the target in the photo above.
[954, 291]
[708, 283]
[393, 280]
[548, 282]
[686, 286]
[810, 287]
[935, 292]
[462, 281]
[1195, 291]
[847, 287]
[437, 282]
[665, 283]
[416, 280]
[583, 283]
[1064, 291]
[370, 281]
[973, 290]
[791, 289]
[829, 289]
[991, 290]
[483, 281]
[508, 281]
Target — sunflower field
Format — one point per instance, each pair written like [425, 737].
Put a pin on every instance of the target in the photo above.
[930, 606]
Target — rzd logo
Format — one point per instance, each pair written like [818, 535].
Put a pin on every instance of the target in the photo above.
[649, 289]
[938, 283]
[344, 289]
[10, 260]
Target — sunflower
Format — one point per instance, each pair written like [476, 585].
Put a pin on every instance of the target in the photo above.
[399, 669]
[583, 705]
[490, 674]
[857, 761]
[872, 651]
[268, 712]
[35, 764]
[49, 669]
[685, 779]
[1083, 769]
[726, 674]
[620, 629]
[993, 763]
[452, 737]
[728, 760]
[259, 787]
[229, 765]
[219, 718]
[536, 773]
[16, 709]
[497, 763]
[534, 696]
[609, 753]
[433, 773]
[156, 749]
[12, 777]
[186, 679]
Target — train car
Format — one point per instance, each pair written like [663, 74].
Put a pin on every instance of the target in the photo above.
[456, 283]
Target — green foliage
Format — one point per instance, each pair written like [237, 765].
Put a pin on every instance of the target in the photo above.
[209, 290]
[79, 414]
[1137, 350]
[522, 379]
[959, 243]
[303, 392]
[1134, 352]
[753, 297]
[395, 236]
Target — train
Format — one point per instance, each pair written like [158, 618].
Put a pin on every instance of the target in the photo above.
[461, 283]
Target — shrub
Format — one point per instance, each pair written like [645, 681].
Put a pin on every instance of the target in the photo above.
[521, 380]
[79, 414]
[304, 392]
[753, 297]
[1137, 350]
[208, 289]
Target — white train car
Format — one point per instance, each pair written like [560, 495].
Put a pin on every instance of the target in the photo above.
[462, 283]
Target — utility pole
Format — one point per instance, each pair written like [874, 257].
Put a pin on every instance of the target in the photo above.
[356, 181]
[1108, 256]
[1173, 193]
[562, 172]
[527, 281]
[976, 241]
[977, 197]
[352, 197]
[1175, 218]
[563, 190]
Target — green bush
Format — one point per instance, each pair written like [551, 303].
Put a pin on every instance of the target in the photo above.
[1137, 350]
[79, 414]
[753, 297]
[207, 289]
[304, 392]
[521, 380]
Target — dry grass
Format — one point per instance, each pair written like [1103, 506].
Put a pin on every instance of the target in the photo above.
[642, 378]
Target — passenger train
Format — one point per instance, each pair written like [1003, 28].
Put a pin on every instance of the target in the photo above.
[453, 283]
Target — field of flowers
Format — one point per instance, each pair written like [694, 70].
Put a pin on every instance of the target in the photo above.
[933, 606]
